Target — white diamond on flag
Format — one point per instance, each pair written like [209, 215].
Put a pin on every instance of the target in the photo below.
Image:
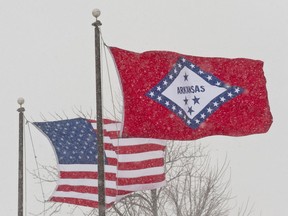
[191, 93]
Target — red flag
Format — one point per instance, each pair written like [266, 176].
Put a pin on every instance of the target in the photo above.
[168, 95]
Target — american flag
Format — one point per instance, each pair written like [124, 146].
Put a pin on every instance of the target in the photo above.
[131, 164]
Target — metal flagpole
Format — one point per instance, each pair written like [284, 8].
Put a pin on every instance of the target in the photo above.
[101, 175]
[20, 165]
[154, 202]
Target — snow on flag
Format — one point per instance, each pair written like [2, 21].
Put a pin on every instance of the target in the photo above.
[130, 164]
[168, 95]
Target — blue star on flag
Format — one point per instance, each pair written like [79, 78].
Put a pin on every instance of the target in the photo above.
[196, 100]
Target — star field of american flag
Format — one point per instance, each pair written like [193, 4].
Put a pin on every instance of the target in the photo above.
[191, 93]
[74, 140]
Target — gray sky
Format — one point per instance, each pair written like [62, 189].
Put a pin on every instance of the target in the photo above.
[47, 57]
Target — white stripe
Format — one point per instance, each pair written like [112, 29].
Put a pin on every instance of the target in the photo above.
[140, 156]
[110, 154]
[133, 141]
[144, 187]
[78, 167]
[109, 127]
[78, 182]
[119, 197]
[112, 127]
[137, 141]
[84, 168]
[139, 173]
[107, 139]
[86, 182]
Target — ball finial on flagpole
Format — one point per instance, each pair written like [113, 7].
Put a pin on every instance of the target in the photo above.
[96, 13]
[20, 101]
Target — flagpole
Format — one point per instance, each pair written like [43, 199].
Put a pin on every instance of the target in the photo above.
[154, 202]
[101, 175]
[20, 164]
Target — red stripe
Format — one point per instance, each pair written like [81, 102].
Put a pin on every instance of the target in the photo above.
[75, 201]
[79, 189]
[112, 161]
[111, 134]
[86, 175]
[140, 148]
[86, 189]
[76, 175]
[141, 180]
[109, 121]
[109, 146]
[141, 164]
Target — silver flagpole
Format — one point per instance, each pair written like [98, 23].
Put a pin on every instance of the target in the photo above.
[154, 202]
[20, 165]
[101, 174]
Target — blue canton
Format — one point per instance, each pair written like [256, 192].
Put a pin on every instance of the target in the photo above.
[191, 93]
[74, 140]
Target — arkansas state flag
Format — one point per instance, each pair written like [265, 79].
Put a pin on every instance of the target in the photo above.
[168, 95]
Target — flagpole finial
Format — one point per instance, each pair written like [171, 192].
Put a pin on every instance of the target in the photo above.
[96, 13]
[20, 101]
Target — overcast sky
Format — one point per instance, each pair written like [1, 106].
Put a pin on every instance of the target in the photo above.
[47, 57]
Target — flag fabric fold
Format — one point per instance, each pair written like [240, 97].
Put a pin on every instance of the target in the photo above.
[130, 164]
[168, 95]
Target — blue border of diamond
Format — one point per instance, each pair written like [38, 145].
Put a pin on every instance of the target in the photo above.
[156, 93]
